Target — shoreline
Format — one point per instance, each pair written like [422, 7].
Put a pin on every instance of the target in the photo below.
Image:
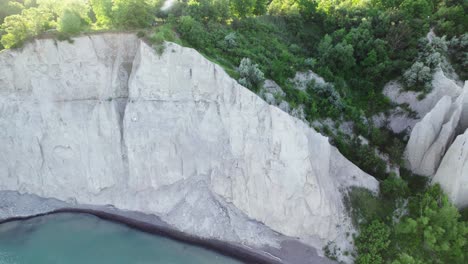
[237, 252]
[286, 250]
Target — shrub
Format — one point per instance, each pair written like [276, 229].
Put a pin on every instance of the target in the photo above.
[363, 206]
[230, 40]
[250, 75]
[141, 34]
[418, 75]
[161, 34]
[329, 99]
[310, 62]
[394, 187]
[193, 31]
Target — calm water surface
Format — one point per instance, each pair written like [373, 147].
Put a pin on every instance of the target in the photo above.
[86, 239]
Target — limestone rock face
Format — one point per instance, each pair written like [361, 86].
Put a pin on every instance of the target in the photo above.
[452, 174]
[400, 119]
[431, 149]
[108, 121]
[441, 86]
[431, 136]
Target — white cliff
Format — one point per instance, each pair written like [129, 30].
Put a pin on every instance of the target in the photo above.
[106, 120]
[432, 135]
[431, 149]
[452, 174]
[399, 119]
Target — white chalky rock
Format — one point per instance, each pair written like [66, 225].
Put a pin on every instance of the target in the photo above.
[106, 120]
[452, 174]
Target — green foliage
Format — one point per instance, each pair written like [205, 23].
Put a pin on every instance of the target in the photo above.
[394, 188]
[458, 53]
[419, 75]
[30, 23]
[131, 14]
[326, 98]
[57, 7]
[216, 10]
[363, 206]
[242, 8]
[250, 75]
[363, 155]
[192, 31]
[433, 232]
[451, 20]
[70, 22]
[417, 8]
[103, 11]
[336, 57]
[283, 7]
[372, 242]
[406, 259]
[161, 34]
[8, 8]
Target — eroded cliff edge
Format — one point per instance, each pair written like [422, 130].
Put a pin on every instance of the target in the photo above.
[106, 120]
[436, 147]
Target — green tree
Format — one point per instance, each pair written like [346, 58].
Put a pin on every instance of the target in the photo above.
[70, 22]
[283, 7]
[8, 8]
[131, 14]
[30, 23]
[406, 259]
[260, 7]
[103, 12]
[339, 58]
[372, 243]
[216, 10]
[193, 31]
[16, 28]
[57, 7]
[417, 8]
[452, 20]
[243, 8]
[394, 188]
[433, 232]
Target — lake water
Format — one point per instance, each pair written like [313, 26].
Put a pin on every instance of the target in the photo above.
[86, 239]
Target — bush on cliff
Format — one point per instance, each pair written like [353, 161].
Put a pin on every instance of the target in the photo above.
[250, 75]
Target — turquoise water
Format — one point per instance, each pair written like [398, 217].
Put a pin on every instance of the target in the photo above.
[86, 239]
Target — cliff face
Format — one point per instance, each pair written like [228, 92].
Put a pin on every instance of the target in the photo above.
[452, 174]
[436, 146]
[105, 120]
